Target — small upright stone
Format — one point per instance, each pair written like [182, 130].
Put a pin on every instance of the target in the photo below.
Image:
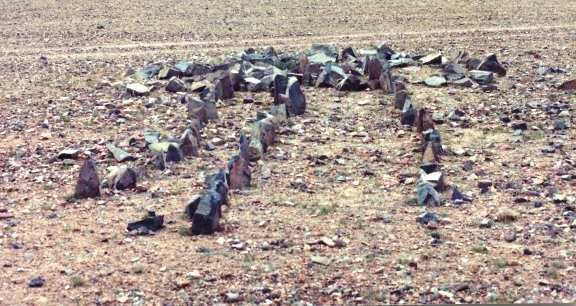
[175, 85]
[189, 144]
[173, 154]
[88, 184]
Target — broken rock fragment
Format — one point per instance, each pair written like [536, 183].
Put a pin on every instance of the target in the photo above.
[152, 223]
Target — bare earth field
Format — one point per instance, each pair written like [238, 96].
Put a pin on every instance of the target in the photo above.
[55, 57]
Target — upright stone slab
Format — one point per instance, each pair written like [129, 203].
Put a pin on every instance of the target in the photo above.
[197, 110]
[386, 81]
[88, 183]
[280, 86]
[240, 174]
[400, 98]
[297, 105]
[189, 144]
[206, 219]
[173, 154]
[226, 88]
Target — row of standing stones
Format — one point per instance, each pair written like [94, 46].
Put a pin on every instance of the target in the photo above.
[282, 75]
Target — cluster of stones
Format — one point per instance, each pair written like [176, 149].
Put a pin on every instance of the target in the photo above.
[321, 66]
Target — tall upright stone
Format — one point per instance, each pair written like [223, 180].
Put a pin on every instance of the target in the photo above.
[297, 105]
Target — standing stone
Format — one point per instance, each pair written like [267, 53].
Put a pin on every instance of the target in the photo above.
[386, 81]
[189, 144]
[297, 104]
[374, 68]
[385, 51]
[263, 135]
[311, 74]
[280, 86]
[173, 154]
[197, 110]
[224, 87]
[211, 110]
[206, 218]
[243, 150]
[330, 76]
[240, 174]
[427, 194]
[409, 114]
[425, 121]
[491, 64]
[88, 183]
[158, 160]
[219, 183]
[235, 79]
[400, 98]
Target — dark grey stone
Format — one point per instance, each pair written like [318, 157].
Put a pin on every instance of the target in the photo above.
[482, 77]
[297, 104]
[206, 217]
[173, 154]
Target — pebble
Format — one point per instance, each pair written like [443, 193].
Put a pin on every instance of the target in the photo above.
[36, 282]
[510, 237]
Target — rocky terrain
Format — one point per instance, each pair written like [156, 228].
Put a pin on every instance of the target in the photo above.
[306, 153]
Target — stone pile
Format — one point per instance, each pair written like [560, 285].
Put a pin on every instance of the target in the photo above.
[218, 79]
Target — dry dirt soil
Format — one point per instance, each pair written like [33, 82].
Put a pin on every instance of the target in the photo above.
[86, 256]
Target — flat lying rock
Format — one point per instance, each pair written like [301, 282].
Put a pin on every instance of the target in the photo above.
[465, 82]
[431, 59]
[435, 81]
[119, 154]
[325, 261]
[482, 77]
[68, 154]
[137, 89]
